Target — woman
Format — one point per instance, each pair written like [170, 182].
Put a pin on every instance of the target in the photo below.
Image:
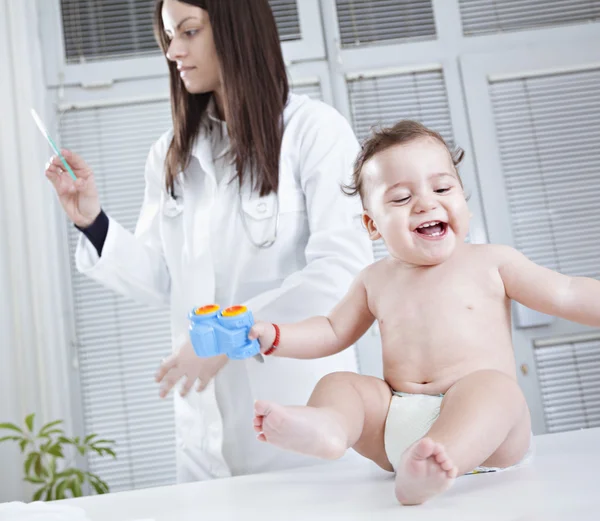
[242, 206]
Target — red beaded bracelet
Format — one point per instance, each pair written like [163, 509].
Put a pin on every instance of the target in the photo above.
[275, 342]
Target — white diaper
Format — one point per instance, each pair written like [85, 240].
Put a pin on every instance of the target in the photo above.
[410, 417]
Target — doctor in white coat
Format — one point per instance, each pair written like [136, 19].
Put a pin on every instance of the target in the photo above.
[242, 205]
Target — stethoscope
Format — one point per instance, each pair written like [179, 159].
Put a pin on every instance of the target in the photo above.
[173, 208]
[269, 242]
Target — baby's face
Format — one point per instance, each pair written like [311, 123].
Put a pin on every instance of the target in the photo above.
[415, 201]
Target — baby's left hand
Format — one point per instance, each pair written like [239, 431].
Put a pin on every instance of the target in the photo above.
[264, 332]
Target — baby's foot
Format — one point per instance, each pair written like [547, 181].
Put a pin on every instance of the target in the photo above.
[424, 471]
[307, 430]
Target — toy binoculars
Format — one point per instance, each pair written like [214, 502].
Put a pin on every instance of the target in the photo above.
[214, 332]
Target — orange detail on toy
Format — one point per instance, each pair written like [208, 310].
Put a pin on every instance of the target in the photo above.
[205, 310]
[234, 311]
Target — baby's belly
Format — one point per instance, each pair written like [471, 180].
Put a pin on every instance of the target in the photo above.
[436, 374]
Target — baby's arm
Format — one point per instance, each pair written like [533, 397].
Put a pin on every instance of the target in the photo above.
[539, 288]
[321, 336]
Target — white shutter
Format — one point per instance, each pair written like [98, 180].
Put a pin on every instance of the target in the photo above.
[287, 19]
[548, 131]
[107, 29]
[497, 16]
[570, 385]
[368, 22]
[311, 89]
[386, 99]
[113, 29]
[120, 343]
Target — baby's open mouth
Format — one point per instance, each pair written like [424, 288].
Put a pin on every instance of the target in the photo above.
[432, 229]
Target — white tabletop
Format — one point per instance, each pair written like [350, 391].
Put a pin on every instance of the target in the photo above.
[561, 484]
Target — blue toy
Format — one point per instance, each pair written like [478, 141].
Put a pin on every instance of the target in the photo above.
[214, 332]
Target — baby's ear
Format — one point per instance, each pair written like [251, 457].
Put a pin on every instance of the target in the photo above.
[370, 226]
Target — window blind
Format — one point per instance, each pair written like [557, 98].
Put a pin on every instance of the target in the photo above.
[287, 19]
[570, 385]
[497, 16]
[109, 29]
[368, 22]
[120, 343]
[548, 129]
[386, 99]
[311, 89]
[113, 29]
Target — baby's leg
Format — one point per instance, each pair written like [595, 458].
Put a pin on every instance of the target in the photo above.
[484, 420]
[345, 410]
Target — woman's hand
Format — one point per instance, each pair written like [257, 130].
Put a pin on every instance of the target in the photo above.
[264, 332]
[185, 362]
[79, 198]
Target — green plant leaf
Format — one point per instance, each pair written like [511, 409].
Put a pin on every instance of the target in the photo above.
[15, 438]
[104, 486]
[100, 486]
[48, 434]
[29, 421]
[96, 486]
[10, 426]
[55, 450]
[66, 473]
[49, 495]
[52, 466]
[30, 461]
[38, 467]
[38, 495]
[34, 479]
[64, 439]
[23, 443]
[60, 489]
[48, 426]
[89, 438]
[111, 452]
[106, 442]
[76, 487]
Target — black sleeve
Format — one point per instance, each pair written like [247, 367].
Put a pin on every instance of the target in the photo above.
[97, 231]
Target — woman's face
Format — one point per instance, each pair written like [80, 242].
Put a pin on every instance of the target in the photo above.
[192, 46]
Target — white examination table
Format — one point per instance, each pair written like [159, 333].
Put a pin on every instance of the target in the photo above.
[561, 484]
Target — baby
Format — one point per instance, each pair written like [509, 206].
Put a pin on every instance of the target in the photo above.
[449, 403]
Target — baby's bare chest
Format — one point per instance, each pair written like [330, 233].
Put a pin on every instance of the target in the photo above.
[427, 299]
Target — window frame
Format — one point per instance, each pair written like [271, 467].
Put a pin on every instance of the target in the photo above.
[477, 70]
[102, 73]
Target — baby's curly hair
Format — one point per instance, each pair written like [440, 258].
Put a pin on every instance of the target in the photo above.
[383, 138]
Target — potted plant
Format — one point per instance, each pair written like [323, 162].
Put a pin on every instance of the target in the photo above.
[46, 463]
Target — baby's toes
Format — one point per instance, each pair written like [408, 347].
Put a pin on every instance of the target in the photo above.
[446, 465]
[440, 457]
[258, 423]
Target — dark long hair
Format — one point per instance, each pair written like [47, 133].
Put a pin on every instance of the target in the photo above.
[255, 87]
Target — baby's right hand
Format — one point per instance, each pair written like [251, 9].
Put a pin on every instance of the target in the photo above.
[79, 198]
[264, 332]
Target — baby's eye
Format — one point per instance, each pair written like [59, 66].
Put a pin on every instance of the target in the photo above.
[442, 190]
[401, 200]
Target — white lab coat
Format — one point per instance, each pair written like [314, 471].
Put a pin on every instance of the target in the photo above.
[195, 250]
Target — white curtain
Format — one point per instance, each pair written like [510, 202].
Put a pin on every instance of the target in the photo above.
[34, 346]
